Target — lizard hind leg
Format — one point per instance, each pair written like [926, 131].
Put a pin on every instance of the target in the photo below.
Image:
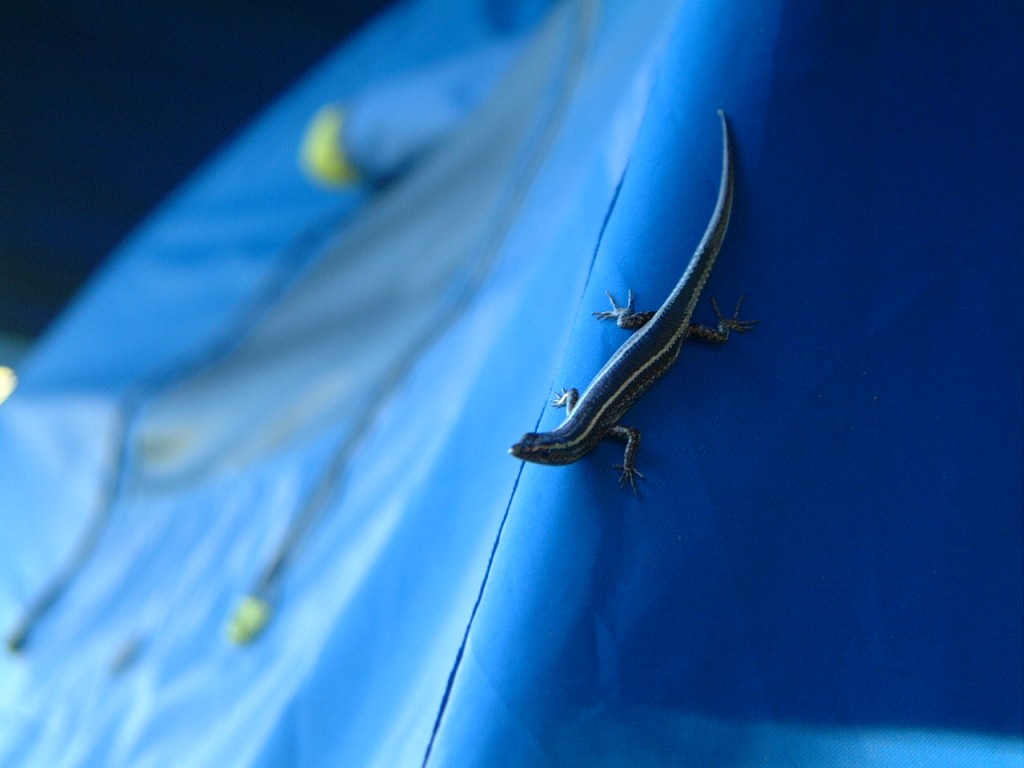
[720, 333]
[624, 317]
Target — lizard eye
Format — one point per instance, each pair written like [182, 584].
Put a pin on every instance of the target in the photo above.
[525, 446]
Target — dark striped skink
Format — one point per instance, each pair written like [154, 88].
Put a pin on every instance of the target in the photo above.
[645, 355]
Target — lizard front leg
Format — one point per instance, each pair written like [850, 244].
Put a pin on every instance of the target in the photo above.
[567, 399]
[628, 466]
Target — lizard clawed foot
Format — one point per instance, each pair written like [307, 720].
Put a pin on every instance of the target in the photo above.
[630, 473]
[566, 399]
[726, 324]
[616, 311]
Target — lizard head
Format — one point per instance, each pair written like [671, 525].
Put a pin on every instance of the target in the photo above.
[542, 448]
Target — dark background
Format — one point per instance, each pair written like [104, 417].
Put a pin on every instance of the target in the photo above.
[108, 105]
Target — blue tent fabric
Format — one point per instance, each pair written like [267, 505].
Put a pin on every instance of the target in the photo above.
[389, 128]
[823, 563]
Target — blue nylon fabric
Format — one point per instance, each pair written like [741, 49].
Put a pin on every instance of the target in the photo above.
[823, 564]
[132, 664]
[391, 127]
[830, 530]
